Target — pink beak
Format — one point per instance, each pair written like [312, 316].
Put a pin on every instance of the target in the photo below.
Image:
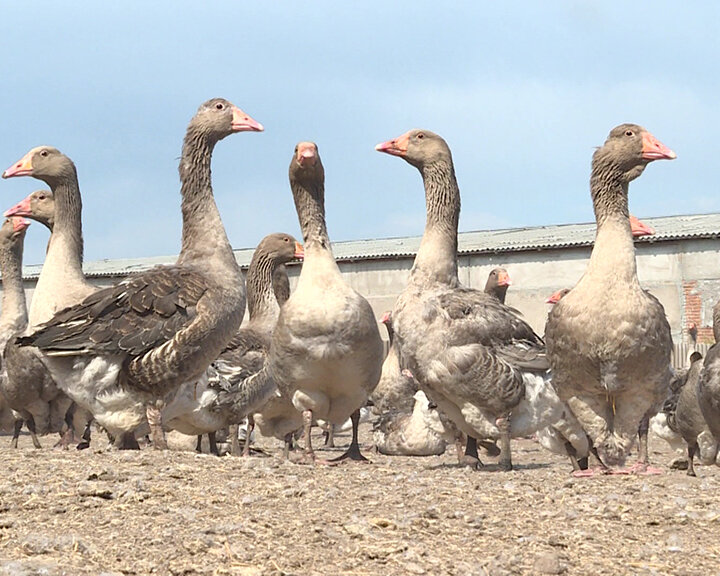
[22, 208]
[241, 122]
[653, 149]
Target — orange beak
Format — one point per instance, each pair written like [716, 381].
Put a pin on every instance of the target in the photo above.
[653, 149]
[22, 208]
[241, 122]
[22, 167]
[639, 228]
[557, 296]
[19, 224]
[386, 318]
[299, 251]
[504, 279]
[395, 147]
[306, 154]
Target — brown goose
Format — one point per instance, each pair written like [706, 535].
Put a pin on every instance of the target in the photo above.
[608, 340]
[687, 419]
[227, 398]
[326, 351]
[127, 346]
[472, 354]
[497, 285]
[13, 319]
[708, 387]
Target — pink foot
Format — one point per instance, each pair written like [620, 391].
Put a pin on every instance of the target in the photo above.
[643, 469]
[590, 472]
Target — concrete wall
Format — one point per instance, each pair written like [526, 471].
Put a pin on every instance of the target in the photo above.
[683, 275]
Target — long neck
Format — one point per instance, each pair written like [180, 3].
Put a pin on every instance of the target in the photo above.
[262, 304]
[436, 259]
[310, 204]
[614, 251]
[62, 282]
[13, 316]
[204, 241]
[65, 247]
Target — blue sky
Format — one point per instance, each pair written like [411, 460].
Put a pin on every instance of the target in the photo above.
[522, 92]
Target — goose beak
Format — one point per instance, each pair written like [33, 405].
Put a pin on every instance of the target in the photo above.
[306, 154]
[19, 224]
[639, 228]
[396, 147]
[22, 208]
[22, 167]
[299, 251]
[241, 122]
[556, 297]
[386, 318]
[653, 149]
[504, 279]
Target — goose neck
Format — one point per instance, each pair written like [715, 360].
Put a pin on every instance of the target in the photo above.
[436, 259]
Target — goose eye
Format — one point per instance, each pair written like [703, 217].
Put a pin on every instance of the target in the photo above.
[286, 239]
[43, 153]
[420, 136]
[219, 106]
[628, 132]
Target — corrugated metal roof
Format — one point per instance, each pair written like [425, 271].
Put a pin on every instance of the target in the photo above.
[480, 242]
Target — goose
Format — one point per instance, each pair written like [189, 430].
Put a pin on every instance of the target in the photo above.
[124, 349]
[608, 340]
[708, 384]
[326, 353]
[15, 401]
[25, 363]
[471, 354]
[213, 403]
[686, 418]
[421, 432]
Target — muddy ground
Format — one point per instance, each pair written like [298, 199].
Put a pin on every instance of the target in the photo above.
[181, 513]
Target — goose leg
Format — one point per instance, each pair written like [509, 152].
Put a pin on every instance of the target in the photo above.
[572, 453]
[16, 432]
[248, 433]
[353, 451]
[503, 423]
[127, 441]
[67, 437]
[198, 444]
[307, 426]
[234, 439]
[288, 445]
[691, 449]
[470, 458]
[643, 440]
[212, 441]
[154, 418]
[30, 423]
[86, 437]
[330, 436]
[642, 465]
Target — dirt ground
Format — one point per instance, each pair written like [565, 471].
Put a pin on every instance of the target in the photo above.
[179, 513]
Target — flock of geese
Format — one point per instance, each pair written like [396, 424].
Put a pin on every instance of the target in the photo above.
[164, 349]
